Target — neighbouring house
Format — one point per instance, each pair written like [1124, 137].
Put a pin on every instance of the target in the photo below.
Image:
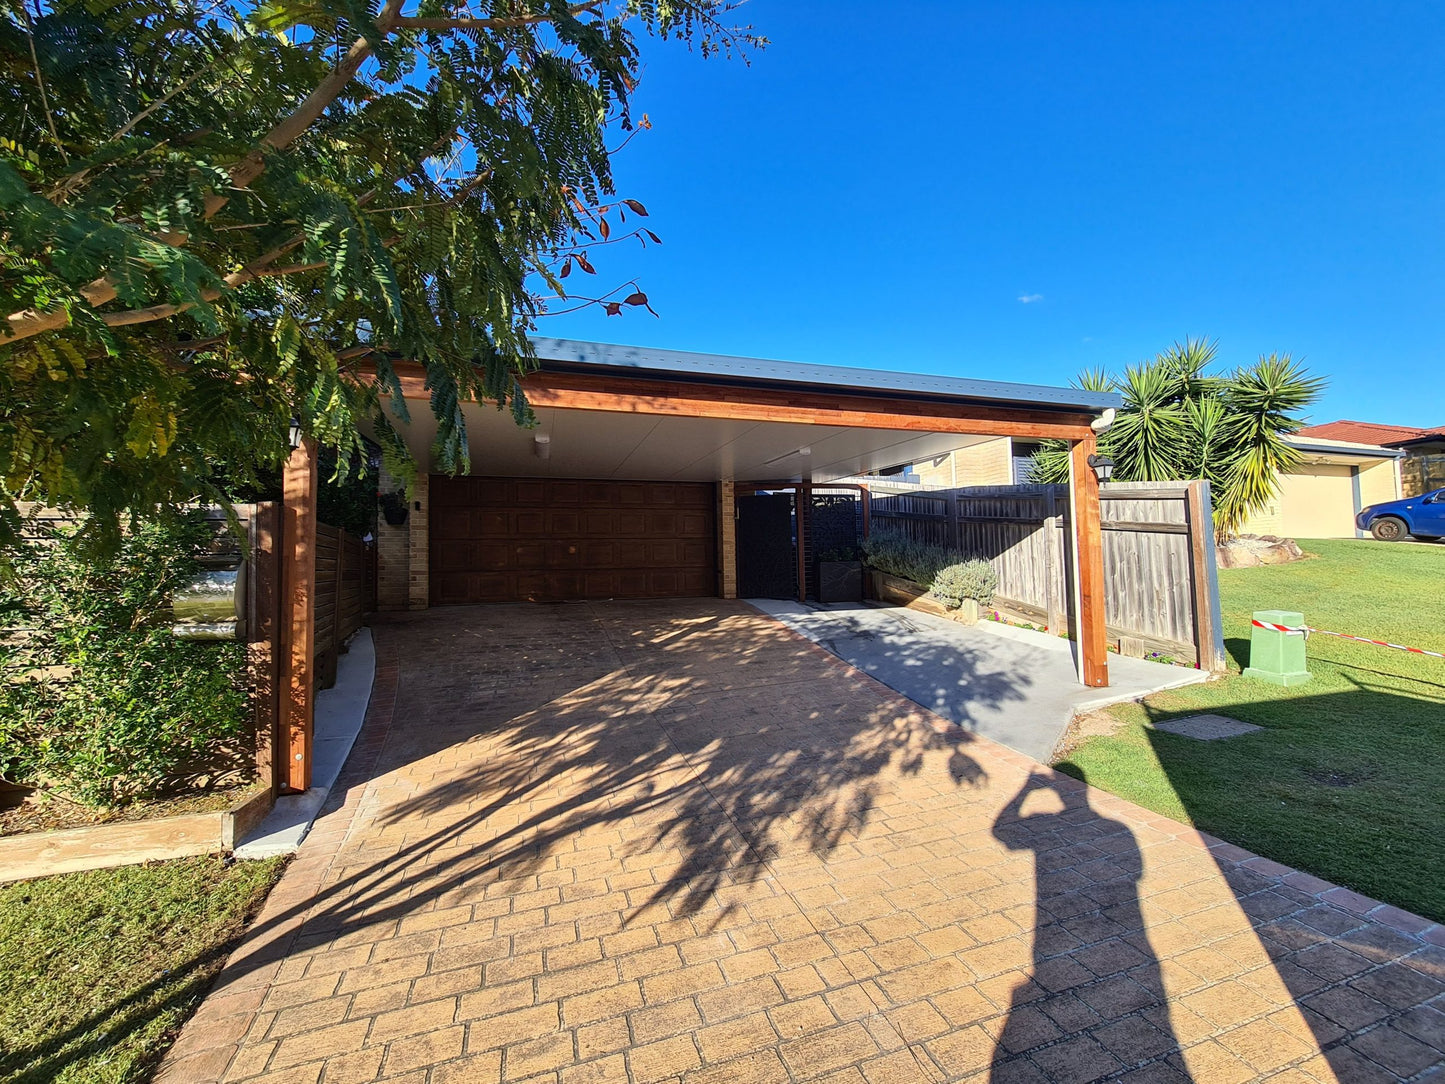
[1004, 461]
[1342, 470]
[1423, 466]
[1334, 479]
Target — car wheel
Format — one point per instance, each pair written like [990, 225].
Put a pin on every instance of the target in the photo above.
[1388, 529]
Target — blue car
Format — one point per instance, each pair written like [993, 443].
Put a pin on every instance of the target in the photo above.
[1422, 516]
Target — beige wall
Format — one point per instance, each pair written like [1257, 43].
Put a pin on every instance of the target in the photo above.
[1319, 500]
[986, 464]
[1380, 481]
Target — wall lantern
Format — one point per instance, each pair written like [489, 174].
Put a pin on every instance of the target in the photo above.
[542, 446]
[1103, 467]
[293, 434]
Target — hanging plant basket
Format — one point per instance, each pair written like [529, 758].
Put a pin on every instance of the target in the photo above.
[394, 509]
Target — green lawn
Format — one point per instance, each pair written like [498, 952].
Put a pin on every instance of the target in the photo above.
[98, 970]
[1347, 780]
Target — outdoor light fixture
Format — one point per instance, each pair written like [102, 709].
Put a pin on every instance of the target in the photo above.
[1103, 467]
[293, 433]
[542, 446]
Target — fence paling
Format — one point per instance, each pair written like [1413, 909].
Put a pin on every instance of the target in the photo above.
[1160, 587]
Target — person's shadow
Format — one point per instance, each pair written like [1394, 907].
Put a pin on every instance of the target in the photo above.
[1096, 1004]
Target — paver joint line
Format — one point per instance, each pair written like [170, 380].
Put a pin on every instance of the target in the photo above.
[669, 851]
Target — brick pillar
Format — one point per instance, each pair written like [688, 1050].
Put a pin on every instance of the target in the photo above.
[392, 556]
[727, 548]
[419, 579]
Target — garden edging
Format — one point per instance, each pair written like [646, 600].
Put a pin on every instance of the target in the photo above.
[101, 846]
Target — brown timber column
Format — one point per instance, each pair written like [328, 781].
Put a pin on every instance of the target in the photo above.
[298, 614]
[1088, 564]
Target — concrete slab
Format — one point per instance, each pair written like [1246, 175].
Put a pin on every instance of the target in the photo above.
[1206, 727]
[1016, 686]
[340, 711]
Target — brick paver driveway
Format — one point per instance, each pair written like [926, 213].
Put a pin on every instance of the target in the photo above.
[673, 841]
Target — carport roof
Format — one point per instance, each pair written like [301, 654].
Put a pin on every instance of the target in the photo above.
[655, 363]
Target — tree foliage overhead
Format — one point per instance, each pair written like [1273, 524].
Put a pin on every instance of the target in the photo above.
[1180, 421]
[215, 216]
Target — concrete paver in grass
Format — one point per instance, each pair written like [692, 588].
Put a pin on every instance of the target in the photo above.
[1208, 727]
[675, 841]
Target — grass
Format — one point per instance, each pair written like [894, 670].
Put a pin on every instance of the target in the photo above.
[1347, 779]
[98, 970]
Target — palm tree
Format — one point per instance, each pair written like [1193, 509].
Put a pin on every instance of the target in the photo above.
[1180, 422]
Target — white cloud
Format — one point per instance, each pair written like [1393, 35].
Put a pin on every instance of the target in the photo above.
[1029, 299]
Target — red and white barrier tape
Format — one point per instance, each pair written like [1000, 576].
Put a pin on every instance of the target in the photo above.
[1306, 630]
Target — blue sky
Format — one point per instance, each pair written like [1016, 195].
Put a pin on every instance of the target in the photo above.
[1023, 189]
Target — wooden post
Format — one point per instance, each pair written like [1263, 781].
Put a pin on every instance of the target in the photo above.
[1088, 543]
[264, 636]
[1208, 631]
[298, 614]
[955, 528]
[867, 499]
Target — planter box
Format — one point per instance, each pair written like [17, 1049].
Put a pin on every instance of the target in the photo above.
[41, 854]
[901, 592]
[840, 581]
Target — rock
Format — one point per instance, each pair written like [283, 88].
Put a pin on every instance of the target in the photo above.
[1249, 551]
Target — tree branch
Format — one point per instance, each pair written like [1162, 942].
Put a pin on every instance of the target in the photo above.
[30, 322]
[411, 22]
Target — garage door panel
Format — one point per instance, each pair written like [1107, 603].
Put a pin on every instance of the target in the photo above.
[599, 554]
[564, 523]
[630, 523]
[451, 523]
[493, 556]
[496, 540]
[529, 523]
[631, 554]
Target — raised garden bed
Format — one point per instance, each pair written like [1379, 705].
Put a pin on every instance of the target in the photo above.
[901, 592]
[122, 842]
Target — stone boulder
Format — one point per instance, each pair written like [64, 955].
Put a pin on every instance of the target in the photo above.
[1249, 551]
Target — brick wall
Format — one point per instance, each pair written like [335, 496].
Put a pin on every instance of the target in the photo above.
[392, 556]
[418, 579]
[727, 548]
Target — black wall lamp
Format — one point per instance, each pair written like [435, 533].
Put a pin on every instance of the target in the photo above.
[293, 434]
[1103, 467]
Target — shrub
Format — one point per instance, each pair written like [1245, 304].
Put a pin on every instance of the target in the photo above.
[974, 578]
[948, 574]
[98, 700]
[890, 550]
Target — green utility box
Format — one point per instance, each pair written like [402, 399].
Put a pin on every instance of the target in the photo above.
[1274, 656]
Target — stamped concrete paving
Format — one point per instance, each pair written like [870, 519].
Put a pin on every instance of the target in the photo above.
[675, 841]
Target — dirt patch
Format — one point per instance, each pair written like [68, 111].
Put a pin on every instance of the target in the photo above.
[47, 813]
[1084, 725]
[1347, 778]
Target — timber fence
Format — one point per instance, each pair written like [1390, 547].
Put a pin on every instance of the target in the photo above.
[1161, 587]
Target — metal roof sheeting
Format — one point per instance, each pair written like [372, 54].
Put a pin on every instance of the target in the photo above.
[719, 367]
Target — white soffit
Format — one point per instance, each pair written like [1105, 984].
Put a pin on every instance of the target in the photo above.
[599, 444]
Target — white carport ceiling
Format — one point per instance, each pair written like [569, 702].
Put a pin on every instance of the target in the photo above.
[605, 444]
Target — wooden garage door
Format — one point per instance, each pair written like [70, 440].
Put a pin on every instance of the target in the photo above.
[547, 540]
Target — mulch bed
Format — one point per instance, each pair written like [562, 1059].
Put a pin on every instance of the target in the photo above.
[44, 814]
